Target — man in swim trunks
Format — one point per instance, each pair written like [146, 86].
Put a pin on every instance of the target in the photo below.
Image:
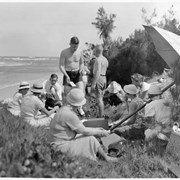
[71, 64]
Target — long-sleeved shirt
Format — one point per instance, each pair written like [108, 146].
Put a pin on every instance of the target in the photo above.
[56, 89]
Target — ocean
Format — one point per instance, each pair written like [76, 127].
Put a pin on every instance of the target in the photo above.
[13, 70]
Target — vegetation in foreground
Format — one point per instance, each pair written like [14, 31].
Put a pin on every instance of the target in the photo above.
[25, 152]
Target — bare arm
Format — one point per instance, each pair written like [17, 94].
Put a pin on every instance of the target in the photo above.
[96, 73]
[92, 131]
[62, 64]
[81, 63]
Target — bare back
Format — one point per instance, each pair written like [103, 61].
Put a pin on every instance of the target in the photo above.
[102, 63]
[70, 61]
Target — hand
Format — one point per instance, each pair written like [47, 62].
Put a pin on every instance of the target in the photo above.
[104, 133]
[67, 79]
[56, 108]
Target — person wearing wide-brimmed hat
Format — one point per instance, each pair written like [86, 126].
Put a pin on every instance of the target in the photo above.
[114, 93]
[68, 134]
[141, 85]
[31, 105]
[132, 128]
[15, 102]
[158, 114]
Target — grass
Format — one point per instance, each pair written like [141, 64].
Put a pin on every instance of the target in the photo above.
[25, 152]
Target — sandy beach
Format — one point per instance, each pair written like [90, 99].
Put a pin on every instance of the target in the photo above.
[13, 72]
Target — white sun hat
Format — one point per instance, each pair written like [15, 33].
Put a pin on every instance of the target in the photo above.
[114, 87]
[37, 87]
[76, 97]
[154, 89]
[24, 85]
[131, 89]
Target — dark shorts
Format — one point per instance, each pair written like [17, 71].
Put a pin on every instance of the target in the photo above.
[52, 103]
[73, 75]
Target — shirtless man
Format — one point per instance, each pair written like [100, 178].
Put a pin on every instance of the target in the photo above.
[99, 77]
[71, 64]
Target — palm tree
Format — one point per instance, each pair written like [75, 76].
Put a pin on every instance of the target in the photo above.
[105, 25]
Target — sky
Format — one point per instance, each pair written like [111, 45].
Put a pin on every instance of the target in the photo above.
[44, 28]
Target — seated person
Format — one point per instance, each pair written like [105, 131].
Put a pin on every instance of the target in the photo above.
[141, 85]
[13, 105]
[53, 92]
[70, 136]
[114, 94]
[31, 105]
[132, 128]
[158, 114]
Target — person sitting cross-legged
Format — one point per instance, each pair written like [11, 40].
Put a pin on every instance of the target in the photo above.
[68, 134]
[31, 105]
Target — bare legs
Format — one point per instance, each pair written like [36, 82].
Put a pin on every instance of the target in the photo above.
[101, 106]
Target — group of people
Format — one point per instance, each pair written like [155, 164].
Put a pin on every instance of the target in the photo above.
[46, 104]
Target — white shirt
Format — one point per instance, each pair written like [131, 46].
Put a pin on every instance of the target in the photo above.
[56, 89]
[30, 106]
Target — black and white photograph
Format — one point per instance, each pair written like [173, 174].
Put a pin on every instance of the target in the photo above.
[90, 89]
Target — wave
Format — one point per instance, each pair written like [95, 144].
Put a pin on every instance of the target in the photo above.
[29, 58]
[17, 84]
[14, 64]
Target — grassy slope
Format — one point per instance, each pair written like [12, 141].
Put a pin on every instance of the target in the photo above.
[25, 152]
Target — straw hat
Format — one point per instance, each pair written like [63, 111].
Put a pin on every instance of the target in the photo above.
[130, 89]
[76, 97]
[24, 85]
[114, 87]
[154, 89]
[37, 87]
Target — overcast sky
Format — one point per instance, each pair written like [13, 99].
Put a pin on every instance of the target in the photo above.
[45, 28]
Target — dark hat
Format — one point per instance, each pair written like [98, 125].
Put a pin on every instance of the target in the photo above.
[74, 40]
